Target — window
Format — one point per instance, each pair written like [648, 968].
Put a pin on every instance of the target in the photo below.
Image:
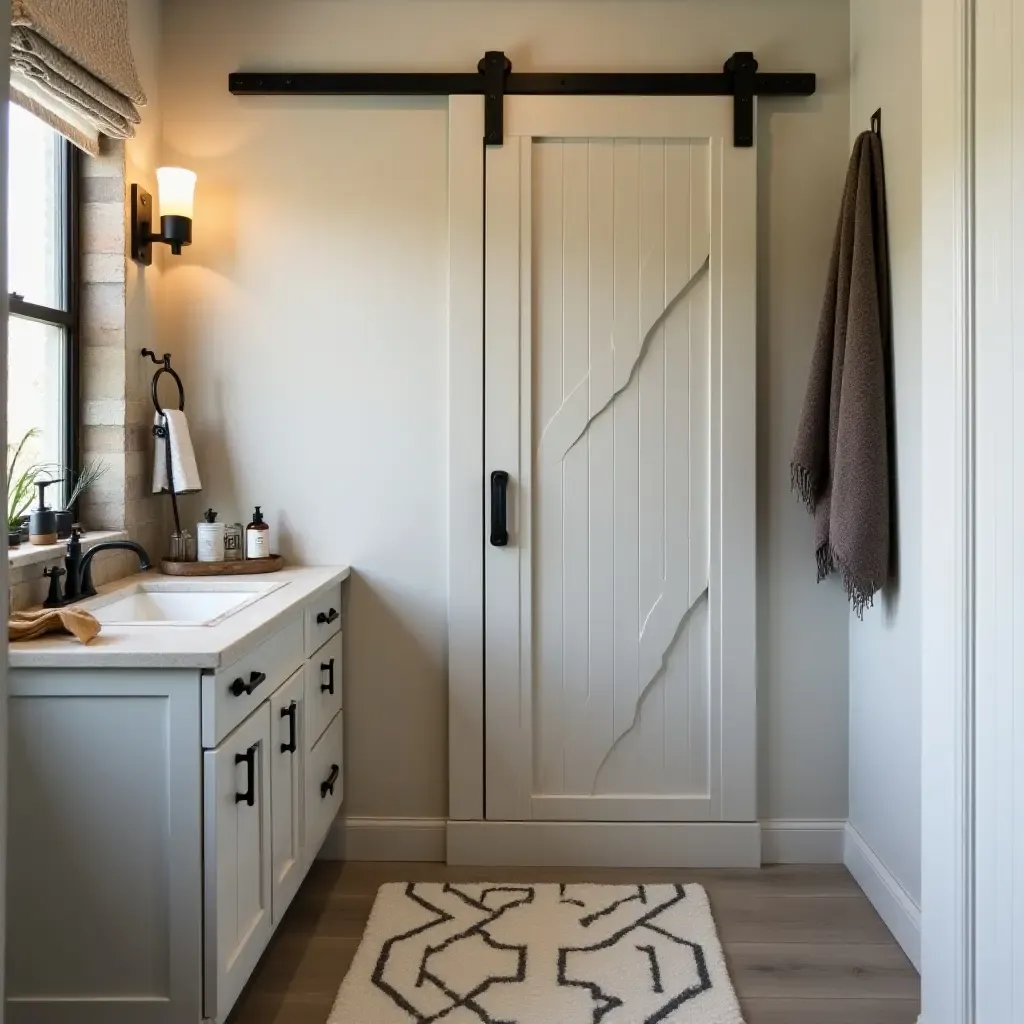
[42, 246]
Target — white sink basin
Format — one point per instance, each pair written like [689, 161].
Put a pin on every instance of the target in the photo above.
[177, 602]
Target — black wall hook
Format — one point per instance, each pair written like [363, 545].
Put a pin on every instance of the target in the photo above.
[876, 122]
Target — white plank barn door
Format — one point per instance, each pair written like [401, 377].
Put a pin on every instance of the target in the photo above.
[619, 370]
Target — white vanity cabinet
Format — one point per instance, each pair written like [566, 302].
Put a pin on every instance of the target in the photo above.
[162, 820]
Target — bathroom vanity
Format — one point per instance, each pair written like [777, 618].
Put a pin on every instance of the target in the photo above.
[170, 784]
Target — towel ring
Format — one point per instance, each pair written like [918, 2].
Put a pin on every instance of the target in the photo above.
[160, 429]
[165, 367]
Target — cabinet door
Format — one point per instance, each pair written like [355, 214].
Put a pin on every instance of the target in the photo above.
[237, 859]
[104, 870]
[287, 764]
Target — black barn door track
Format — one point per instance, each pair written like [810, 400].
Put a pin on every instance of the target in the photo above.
[494, 79]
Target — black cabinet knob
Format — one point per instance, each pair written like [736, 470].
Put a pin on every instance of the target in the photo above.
[240, 686]
[326, 618]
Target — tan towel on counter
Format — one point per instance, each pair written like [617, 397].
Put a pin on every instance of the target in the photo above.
[32, 625]
[840, 464]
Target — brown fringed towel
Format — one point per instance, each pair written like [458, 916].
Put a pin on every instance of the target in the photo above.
[840, 461]
[82, 625]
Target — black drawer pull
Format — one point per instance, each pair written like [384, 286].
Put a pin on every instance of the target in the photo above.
[328, 786]
[289, 713]
[326, 618]
[249, 757]
[499, 512]
[239, 686]
[329, 669]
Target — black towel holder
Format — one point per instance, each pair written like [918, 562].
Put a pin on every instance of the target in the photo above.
[160, 429]
[876, 122]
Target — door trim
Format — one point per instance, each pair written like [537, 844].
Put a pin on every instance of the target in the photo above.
[948, 493]
[465, 457]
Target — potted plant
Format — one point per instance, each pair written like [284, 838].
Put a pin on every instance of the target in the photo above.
[89, 474]
[20, 482]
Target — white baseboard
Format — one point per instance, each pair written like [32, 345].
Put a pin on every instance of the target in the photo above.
[593, 844]
[605, 844]
[900, 913]
[381, 839]
[791, 841]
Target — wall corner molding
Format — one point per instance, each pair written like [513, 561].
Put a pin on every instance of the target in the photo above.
[902, 916]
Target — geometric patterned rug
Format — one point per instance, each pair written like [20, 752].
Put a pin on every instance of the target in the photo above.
[489, 953]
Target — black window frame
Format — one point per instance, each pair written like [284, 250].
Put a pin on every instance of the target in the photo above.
[69, 175]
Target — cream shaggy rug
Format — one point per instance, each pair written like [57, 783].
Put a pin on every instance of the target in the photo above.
[538, 954]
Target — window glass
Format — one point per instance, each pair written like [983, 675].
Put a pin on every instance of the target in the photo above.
[34, 211]
[40, 327]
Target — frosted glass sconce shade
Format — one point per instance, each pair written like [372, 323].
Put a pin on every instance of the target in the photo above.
[176, 186]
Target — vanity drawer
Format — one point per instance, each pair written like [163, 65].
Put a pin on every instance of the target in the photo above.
[323, 619]
[323, 689]
[234, 691]
[325, 778]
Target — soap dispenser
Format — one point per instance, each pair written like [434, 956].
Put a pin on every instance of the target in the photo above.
[257, 537]
[42, 523]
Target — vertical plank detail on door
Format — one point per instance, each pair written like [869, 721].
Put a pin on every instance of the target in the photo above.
[576, 467]
[601, 475]
[549, 696]
[619, 227]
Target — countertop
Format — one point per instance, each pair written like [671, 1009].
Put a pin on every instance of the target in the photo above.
[165, 646]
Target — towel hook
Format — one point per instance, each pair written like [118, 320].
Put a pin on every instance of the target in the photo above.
[165, 367]
[876, 122]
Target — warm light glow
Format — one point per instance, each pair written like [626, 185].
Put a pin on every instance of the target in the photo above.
[177, 188]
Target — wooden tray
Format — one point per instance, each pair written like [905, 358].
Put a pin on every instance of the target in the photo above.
[238, 567]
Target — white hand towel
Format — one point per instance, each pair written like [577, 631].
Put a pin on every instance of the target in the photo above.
[183, 456]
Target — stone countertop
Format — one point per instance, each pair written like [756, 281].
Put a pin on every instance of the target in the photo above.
[185, 646]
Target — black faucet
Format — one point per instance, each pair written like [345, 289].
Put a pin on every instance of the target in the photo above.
[78, 567]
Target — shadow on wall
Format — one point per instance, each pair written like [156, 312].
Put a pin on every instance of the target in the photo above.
[393, 676]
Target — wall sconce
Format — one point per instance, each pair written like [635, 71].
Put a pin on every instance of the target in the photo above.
[176, 187]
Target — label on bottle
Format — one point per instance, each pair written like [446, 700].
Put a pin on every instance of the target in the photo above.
[257, 543]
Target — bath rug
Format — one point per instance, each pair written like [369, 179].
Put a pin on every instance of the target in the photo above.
[491, 953]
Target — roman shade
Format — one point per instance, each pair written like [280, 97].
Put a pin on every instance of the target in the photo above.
[71, 66]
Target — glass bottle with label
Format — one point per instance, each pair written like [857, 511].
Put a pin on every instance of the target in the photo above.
[257, 537]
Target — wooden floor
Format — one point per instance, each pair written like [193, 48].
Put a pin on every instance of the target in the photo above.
[803, 944]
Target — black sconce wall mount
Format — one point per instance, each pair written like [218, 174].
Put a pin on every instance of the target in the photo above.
[175, 223]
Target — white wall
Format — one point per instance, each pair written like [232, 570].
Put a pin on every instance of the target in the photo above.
[309, 320]
[885, 649]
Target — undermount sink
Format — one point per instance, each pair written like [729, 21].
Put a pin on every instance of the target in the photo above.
[177, 602]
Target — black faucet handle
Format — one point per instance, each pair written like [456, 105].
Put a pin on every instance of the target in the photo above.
[54, 599]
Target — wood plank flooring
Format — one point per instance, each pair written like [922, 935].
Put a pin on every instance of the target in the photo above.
[803, 944]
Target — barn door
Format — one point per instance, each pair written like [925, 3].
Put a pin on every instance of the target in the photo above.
[619, 462]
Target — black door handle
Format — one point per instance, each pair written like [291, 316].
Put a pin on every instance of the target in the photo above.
[499, 513]
[328, 786]
[249, 757]
[239, 686]
[329, 669]
[289, 713]
[326, 618]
